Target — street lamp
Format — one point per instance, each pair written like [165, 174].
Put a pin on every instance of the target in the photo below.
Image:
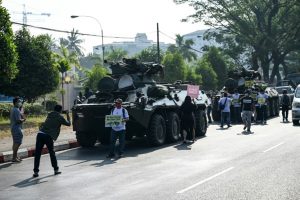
[75, 16]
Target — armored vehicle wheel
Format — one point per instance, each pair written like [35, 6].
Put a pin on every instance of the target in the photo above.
[173, 127]
[86, 139]
[201, 123]
[295, 122]
[104, 136]
[157, 130]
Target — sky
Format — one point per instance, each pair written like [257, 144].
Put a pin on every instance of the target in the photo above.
[118, 18]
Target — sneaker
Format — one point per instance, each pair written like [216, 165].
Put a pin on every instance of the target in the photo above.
[16, 160]
[110, 156]
[35, 174]
[56, 172]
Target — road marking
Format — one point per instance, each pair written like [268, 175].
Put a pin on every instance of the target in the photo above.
[273, 147]
[205, 180]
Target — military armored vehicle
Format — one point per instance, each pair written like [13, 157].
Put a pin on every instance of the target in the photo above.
[242, 80]
[153, 108]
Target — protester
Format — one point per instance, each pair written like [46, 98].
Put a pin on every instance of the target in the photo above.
[188, 119]
[285, 105]
[262, 106]
[16, 121]
[236, 107]
[224, 107]
[247, 108]
[209, 107]
[118, 131]
[49, 132]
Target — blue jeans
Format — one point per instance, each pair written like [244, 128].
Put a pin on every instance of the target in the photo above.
[113, 139]
[225, 117]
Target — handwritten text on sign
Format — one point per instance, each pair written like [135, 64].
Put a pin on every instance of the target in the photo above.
[113, 120]
[193, 91]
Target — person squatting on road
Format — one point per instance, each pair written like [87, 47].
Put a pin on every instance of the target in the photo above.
[16, 121]
[247, 108]
[188, 119]
[49, 132]
[209, 108]
[262, 106]
[285, 105]
[224, 106]
[236, 107]
[119, 130]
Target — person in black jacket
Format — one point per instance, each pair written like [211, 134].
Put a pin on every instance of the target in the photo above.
[285, 105]
[188, 120]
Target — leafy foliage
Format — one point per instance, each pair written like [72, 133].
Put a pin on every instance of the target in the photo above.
[37, 72]
[94, 76]
[174, 67]
[8, 54]
[72, 43]
[149, 54]
[209, 76]
[115, 55]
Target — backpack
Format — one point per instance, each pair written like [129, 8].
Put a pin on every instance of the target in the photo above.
[123, 112]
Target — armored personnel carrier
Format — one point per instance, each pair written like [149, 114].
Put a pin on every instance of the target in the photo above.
[153, 108]
[242, 80]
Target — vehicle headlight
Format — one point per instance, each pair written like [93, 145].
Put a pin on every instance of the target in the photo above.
[296, 105]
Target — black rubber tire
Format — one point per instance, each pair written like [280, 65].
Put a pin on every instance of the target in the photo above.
[86, 139]
[200, 123]
[173, 127]
[295, 122]
[104, 136]
[157, 130]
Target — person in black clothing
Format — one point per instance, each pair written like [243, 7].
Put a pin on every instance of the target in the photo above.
[247, 103]
[188, 119]
[285, 105]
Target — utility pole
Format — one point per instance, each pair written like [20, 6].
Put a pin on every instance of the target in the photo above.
[158, 51]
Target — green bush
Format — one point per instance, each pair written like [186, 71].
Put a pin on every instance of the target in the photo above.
[29, 109]
[5, 109]
[50, 104]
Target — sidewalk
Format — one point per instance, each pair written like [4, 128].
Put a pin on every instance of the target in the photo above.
[66, 140]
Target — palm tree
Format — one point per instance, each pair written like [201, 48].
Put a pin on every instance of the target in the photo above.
[184, 48]
[117, 54]
[72, 43]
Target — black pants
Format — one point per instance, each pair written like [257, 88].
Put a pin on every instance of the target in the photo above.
[41, 140]
[285, 112]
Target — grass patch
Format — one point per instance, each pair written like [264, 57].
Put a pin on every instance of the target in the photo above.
[30, 126]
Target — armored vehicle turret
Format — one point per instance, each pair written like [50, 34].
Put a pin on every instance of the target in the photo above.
[153, 108]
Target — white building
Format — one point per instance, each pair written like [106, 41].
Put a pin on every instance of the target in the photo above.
[140, 43]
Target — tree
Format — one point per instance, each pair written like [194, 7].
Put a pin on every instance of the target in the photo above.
[218, 63]
[209, 76]
[193, 77]
[149, 54]
[8, 53]
[115, 55]
[268, 29]
[94, 76]
[184, 48]
[38, 74]
[174, 67]
[72, 43]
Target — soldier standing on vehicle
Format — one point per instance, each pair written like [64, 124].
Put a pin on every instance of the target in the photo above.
[285, 105]
[247, 108]
[236, 107]
[262, 106]
[224, 107]
[119, 130]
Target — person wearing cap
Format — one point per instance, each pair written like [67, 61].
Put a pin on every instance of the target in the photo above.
[285, 104]
[118, 131]
[16, 121]
[247, 104]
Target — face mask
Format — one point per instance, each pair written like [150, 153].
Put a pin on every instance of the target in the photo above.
[19, 104]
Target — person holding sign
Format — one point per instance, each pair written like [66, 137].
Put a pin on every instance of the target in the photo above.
[188, 119]
[118, 130]
[262, 106]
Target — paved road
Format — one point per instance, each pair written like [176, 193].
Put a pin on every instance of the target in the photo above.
[224, 165]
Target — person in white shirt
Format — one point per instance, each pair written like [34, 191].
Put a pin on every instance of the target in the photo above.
[224, 106]
[209, 107]
[118, 131]
[262, 98]
[236, 104]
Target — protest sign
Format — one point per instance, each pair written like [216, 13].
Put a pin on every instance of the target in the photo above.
[193, 91]
[113, 120]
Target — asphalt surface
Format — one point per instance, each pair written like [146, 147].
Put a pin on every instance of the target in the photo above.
[226, 164]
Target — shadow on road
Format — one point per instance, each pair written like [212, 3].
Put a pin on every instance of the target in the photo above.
[31, 181]
[5, 165]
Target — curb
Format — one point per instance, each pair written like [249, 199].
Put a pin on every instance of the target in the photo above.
[29, 152]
